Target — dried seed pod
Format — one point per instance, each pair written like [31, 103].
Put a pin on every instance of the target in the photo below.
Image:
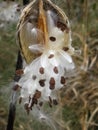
[34, 28]
[45, 43]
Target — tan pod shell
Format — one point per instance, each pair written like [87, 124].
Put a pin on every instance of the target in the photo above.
[34, 15]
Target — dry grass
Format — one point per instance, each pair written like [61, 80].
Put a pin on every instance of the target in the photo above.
[81, 93]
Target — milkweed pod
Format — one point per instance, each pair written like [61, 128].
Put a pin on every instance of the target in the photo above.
[42, 26]
[45, 42]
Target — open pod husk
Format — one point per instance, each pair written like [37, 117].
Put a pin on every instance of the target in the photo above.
[35, 16]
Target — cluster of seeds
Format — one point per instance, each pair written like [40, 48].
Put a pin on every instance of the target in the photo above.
[46, 74]
[38, 82]
[63, 26]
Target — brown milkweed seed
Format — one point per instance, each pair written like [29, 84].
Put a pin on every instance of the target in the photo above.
[50, 104]
[52, 83]
[42, 82]
[26, 106]
[20, 100]
[52, 38]
[63, 80]
[55, 69]
[40, 104]
[41, 70]
[51, 56]
[19, 72]
[37, 94]
[35, 101]
[65, 48]
[62, 26]
[50, 100]
[55, 102]
[52, 87]
[16, 87]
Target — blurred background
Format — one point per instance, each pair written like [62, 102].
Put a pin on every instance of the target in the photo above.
[79, 100]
